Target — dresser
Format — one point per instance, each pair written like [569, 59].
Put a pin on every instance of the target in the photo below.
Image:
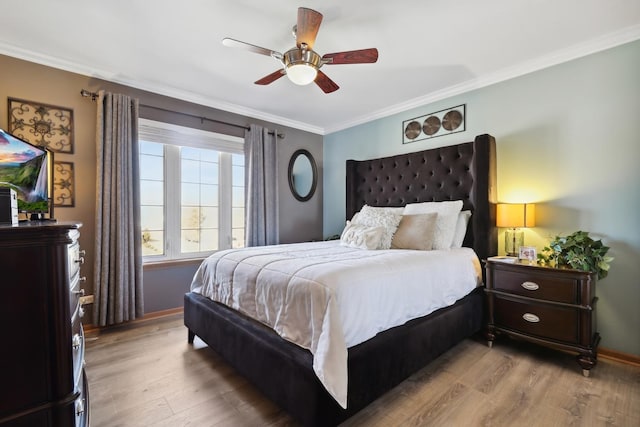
[549, 306]
[42, 377]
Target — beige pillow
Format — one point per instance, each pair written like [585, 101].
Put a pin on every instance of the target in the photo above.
[445, 223]
[415, 232]
[361, 236]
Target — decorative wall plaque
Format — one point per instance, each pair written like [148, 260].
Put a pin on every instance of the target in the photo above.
[63, 184]
[443, 122]
[42, 124]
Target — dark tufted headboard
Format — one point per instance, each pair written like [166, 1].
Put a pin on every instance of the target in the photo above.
[464, 172]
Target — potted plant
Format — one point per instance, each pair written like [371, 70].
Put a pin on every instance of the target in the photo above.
[578, 251]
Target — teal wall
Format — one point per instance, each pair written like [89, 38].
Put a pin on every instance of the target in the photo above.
[568, 139]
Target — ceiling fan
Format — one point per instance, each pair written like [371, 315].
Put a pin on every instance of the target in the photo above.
[302, 64]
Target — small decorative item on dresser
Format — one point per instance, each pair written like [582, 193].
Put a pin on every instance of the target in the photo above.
[527, 254]
[548, 306]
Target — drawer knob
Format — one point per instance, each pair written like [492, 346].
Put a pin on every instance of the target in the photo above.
[530, 317]
[79, 407]
[80, 260]
[76, 341]
[530, 286]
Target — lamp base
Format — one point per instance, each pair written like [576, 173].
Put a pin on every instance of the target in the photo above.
[513, 239]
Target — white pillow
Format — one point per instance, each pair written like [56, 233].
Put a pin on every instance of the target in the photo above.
[361, 236]
[461, 229]
[388, 218]
[445, 223]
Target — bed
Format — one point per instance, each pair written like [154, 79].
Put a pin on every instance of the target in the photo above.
[284, 371]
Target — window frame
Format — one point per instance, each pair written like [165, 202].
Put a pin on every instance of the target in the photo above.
[173, 137]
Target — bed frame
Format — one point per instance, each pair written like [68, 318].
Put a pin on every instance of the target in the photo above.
[284, 372]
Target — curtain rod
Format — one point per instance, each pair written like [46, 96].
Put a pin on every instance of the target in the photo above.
[94, 96]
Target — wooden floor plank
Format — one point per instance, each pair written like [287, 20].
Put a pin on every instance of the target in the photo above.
[147, 374]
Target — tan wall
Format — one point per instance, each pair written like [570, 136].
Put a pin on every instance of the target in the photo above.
[34, 82]
[24, 80]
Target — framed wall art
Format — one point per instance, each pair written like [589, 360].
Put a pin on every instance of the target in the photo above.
[42, 124]
[63, 184]
[432, 125]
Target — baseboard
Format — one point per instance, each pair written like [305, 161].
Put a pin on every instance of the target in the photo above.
[607, 353]
[148, 316]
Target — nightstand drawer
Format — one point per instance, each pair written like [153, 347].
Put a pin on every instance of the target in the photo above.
[544, 321]
[539, 286]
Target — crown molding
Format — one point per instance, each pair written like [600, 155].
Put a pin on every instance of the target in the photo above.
[607, 41]
[618, 38]
[76, 68]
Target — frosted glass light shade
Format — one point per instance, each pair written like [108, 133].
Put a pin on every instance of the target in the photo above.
[301, 74]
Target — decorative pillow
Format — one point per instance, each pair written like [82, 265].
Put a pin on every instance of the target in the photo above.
[415, 232]
[445, 223]
[461, 229]
[388, 218]
[361, 236]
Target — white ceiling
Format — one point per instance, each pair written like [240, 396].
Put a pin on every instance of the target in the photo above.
[429, 49]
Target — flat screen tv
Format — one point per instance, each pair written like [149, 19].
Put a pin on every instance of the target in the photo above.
[27, 169]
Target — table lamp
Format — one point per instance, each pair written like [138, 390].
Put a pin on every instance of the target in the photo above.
[514, 216]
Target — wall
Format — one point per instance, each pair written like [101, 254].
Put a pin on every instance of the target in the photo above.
[567, 139]
[164, 285]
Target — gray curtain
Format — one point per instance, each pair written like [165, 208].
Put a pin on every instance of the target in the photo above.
[261, 159]
[118, 250]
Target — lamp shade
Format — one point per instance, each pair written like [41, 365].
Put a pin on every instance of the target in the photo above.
[516, 215]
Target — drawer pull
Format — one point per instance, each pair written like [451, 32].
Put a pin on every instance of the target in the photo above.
[530, 317]
[76, 341]
[83, 279]
[79, 407]
[80, 292]
[80, 260]
[530, 286]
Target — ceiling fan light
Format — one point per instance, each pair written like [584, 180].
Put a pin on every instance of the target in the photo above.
[301, 74]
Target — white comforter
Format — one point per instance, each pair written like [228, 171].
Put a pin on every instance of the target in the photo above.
[326, 297]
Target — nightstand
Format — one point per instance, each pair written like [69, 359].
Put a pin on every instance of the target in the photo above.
[548, 306]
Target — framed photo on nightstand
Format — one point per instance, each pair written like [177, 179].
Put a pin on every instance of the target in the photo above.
[528, 253]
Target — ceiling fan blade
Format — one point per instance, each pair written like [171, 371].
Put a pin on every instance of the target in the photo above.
[308, 25]
[325, 83]
[247, 46]
[271, 77]
[362, 56]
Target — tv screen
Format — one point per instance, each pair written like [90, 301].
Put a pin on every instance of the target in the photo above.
[27, 169]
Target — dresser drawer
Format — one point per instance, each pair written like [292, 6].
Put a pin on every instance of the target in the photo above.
[74, 259]
[77, 344]
[539, 286]
[541, 320]
[75, 293]
[81, 405]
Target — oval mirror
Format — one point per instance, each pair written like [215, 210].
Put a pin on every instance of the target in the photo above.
[303, 175]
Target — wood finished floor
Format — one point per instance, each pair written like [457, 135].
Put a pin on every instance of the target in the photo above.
[147, 375]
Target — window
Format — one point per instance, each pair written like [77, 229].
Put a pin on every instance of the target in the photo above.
[192, 191]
